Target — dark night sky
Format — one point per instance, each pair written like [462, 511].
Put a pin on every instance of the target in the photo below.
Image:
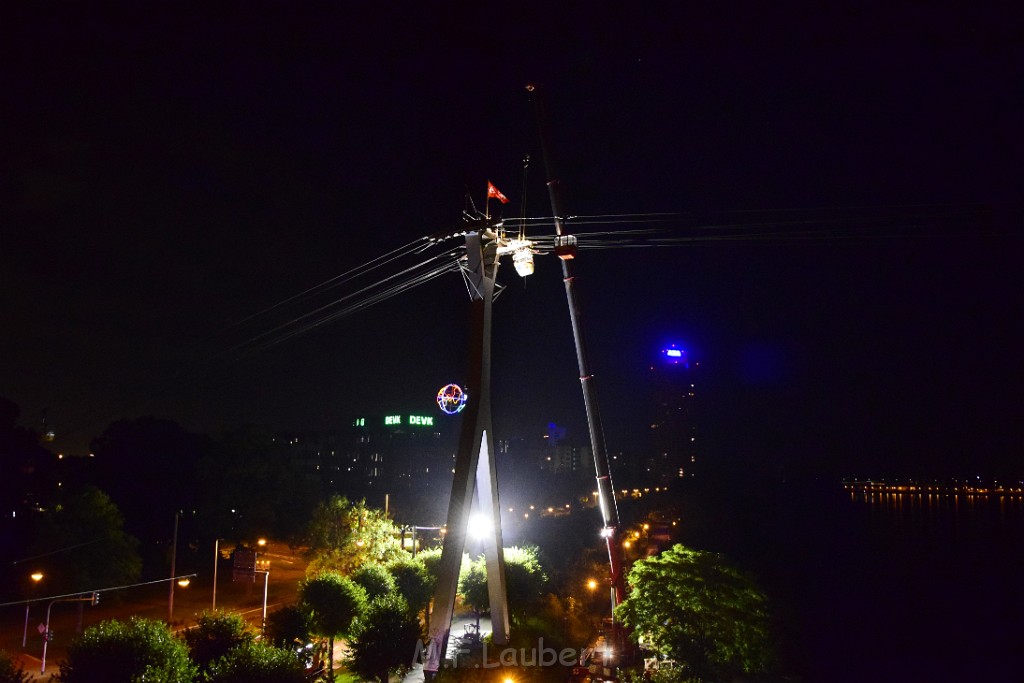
[173, 170]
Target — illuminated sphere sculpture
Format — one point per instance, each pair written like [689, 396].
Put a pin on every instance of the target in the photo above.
[451, 398]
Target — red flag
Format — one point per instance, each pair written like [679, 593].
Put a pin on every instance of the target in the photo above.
[492, 191]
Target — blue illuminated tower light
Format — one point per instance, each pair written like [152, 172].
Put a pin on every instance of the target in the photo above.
[674, 355]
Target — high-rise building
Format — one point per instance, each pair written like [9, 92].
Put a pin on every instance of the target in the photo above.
[673, 382]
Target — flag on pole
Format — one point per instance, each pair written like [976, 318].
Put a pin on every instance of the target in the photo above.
[492, 191]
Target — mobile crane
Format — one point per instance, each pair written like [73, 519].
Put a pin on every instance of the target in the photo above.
[565, 249]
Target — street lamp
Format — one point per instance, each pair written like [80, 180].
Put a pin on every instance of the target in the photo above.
[174, 557]
[266, 581]
[36, 578]
[263, 567]
[216, 557]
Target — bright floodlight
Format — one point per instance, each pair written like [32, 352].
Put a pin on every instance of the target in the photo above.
[522, 259]
[479, 526]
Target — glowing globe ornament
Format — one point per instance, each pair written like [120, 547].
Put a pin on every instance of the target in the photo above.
[451, 399]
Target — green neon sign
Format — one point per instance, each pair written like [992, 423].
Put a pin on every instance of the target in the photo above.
[412, 420]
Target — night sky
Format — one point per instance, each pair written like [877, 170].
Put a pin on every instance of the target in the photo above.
[172, 170]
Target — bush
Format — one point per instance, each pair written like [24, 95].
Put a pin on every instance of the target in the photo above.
[8, 672]
[214, 635]
[375, 580]
[256, 663]
[124, 652]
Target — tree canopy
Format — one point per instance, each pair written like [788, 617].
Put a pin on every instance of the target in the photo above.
[255, 662]
[413, 582]
[98, 551]
[28, 468]
[385, 640]
[127, 652]
[333, 602]
[344, 536]
[525, 581]
[254, 486]
[214, 635]
[9, 673]
[695, 607]
[288, 627]
[375, 579]
[149, 450]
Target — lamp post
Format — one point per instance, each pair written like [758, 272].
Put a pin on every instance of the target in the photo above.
[216, 557]
[36, 578]
[264, 568]
[174, 557]
[266, 581]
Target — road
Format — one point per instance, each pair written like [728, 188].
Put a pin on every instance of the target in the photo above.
[151, 602]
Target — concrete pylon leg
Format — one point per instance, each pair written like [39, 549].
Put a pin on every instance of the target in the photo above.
[475, 471]
[487, 493]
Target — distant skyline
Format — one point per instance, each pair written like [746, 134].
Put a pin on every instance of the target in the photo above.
[175, 173]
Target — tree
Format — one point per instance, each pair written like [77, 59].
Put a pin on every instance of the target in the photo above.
[125, 652]
[254, 662]
[334, 602]
[698, 609]
[98, 553]
[254, 486]
[344, 536]
[525, 581]
[413, 582]
[473, 583]
[9, 673]
[214, 635]
[288, 627]
[375, 580]
[431, 559]
[148, 467]
[385, 640]
[28, 467]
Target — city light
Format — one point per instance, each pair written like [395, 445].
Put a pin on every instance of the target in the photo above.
[479, 526]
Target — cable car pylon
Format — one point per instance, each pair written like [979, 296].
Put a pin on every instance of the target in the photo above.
[475, 473]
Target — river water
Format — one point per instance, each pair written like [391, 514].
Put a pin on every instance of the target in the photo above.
[895, 587]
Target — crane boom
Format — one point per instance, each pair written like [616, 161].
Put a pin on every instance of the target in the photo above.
[564, 248]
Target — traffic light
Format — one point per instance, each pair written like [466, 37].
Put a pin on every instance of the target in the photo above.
[95, 598]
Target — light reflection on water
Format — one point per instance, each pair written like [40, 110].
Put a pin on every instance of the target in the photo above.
[950, 563]
[963, 511]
